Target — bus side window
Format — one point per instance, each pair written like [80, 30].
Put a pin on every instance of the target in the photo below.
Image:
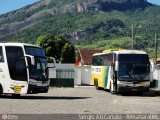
[1, 55]
[95, 61]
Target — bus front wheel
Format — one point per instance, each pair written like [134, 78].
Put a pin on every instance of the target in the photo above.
[111, 88]
[1, 90]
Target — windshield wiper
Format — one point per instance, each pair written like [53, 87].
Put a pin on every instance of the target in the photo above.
[139, 76]
[130, 75]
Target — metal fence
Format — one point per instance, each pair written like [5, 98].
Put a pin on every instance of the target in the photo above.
[65, 73]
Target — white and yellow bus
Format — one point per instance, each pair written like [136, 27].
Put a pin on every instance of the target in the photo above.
[23, 69]
[121, 71]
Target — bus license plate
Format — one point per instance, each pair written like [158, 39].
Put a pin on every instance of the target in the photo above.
[134, 89]
[39, 83]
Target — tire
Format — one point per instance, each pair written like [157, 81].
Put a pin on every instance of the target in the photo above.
[96, 85]
[140, 93]
[110, 89]
[46, 90]
[16, 95]
[1, 90]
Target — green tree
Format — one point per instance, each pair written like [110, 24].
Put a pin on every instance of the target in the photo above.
[58, 47]
[68, 53]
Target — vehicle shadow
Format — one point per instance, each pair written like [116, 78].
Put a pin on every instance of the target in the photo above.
[29, 97]
[151, 93]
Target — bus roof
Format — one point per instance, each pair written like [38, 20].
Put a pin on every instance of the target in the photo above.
[18, 44]
[110, 50]
[122, 52]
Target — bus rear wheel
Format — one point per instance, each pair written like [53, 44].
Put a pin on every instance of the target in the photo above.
[96, 84]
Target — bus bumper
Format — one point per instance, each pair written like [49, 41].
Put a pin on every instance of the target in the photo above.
[32, 89]
[132, 89]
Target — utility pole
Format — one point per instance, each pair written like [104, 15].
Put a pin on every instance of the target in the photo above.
[134, 32]
[156, 48]
[132, 37]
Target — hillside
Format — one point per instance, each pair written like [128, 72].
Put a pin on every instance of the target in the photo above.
[83, 22]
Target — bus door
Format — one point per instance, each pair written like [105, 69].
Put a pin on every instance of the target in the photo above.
[18, 82]
[2, 68]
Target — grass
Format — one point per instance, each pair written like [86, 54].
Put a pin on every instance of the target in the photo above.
[124, 42]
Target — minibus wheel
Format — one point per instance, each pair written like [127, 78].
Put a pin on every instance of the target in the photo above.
[16, 95]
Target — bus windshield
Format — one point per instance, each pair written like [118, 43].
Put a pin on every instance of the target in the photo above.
[133, 67]
[38, 71]
[134, 58]
[35, 51]
[131, 71]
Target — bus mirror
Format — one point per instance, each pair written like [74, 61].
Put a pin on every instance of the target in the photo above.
[116, 66]
[31, 60]
[152, 67]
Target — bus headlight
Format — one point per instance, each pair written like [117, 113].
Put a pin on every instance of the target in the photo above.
[32, 83]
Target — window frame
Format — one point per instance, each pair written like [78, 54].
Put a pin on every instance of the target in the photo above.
[1, 55]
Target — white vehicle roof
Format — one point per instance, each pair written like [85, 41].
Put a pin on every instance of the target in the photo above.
[17, 44]
[130, 52]
[122, 52]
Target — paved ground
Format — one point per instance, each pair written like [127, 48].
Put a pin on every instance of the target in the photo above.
[81, 100]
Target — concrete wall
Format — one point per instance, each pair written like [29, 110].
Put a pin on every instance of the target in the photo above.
[156, 75]
[82, 74]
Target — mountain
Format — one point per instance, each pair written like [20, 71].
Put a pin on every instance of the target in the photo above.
[83, 22]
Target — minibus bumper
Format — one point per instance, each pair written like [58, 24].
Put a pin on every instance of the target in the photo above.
[32, 89]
